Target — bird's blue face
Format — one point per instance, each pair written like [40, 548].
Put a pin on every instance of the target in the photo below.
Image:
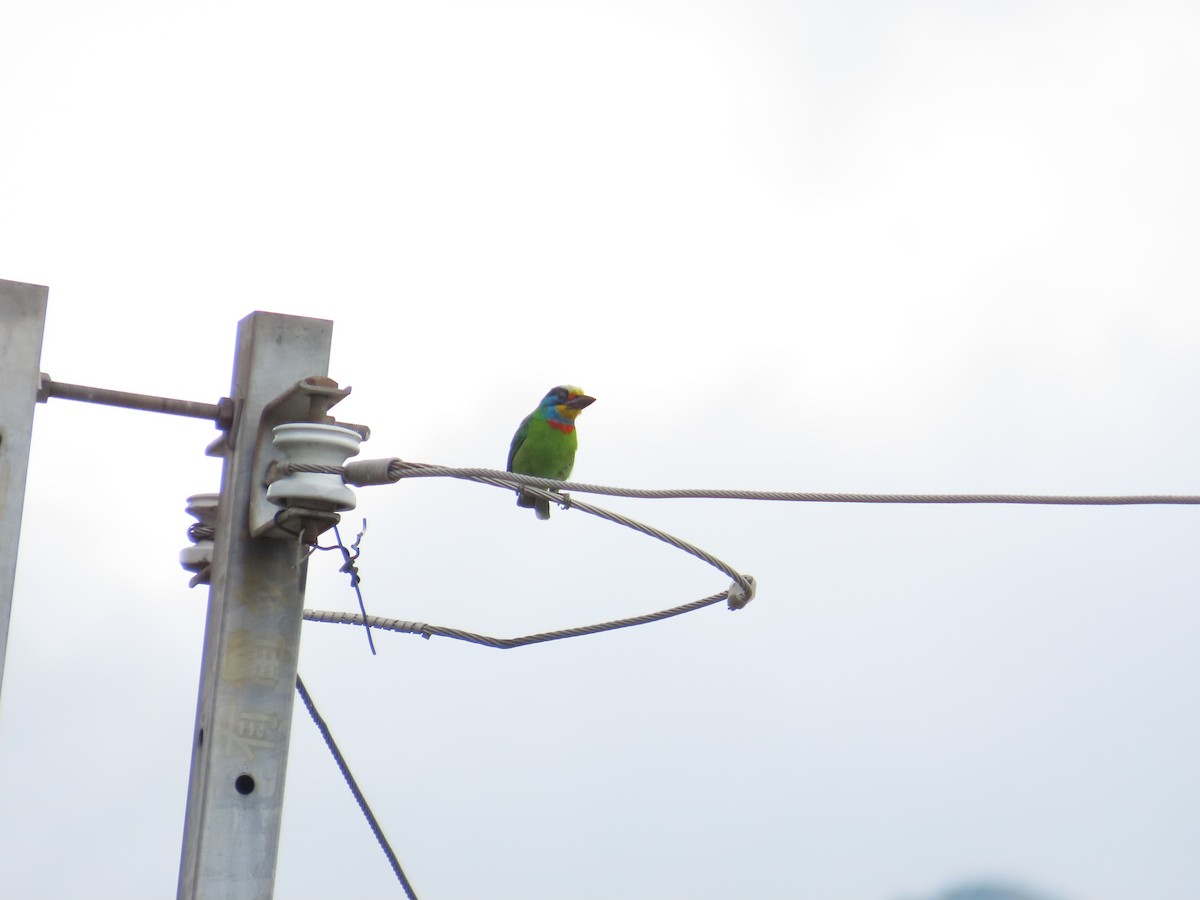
[556, 396]
[565, 402]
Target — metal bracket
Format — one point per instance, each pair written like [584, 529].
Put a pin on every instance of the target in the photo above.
[308, 400]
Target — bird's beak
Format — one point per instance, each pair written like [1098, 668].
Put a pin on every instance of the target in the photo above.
[580, 402]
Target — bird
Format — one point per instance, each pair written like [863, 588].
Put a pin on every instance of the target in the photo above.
[545, 442]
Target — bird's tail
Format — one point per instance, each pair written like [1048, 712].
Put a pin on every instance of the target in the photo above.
[540, 505]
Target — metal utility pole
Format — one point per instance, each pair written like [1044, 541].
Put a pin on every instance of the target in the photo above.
[252, 637]
[22, 321]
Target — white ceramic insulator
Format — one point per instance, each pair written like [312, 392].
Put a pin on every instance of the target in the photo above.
[194, 559]
[314, 444]
[204, 508]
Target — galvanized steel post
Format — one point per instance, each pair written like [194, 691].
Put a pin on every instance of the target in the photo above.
[251, 641]
[22, 321]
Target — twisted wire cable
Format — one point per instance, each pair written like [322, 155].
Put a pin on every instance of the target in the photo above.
[742, 581]
[355, 790]
[397, 469]
[400, 469]
[458, 634]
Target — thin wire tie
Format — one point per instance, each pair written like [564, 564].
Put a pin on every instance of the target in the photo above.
[349, 567]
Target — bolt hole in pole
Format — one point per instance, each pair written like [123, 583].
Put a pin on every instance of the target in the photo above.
[244, 784]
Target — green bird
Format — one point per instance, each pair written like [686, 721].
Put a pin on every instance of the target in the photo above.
[544, 445]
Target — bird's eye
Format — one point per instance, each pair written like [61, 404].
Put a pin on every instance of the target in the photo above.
[561, 395]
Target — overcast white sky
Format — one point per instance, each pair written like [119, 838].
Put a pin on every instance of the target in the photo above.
[877, 246]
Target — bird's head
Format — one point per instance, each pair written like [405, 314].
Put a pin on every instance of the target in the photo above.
[565, 402]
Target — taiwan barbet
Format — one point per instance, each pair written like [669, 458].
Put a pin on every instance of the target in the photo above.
[544, 445]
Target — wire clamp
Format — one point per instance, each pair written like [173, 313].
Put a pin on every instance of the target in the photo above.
[364, 472]
[740, 596]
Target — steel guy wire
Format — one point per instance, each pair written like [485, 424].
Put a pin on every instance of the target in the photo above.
[354, 789]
